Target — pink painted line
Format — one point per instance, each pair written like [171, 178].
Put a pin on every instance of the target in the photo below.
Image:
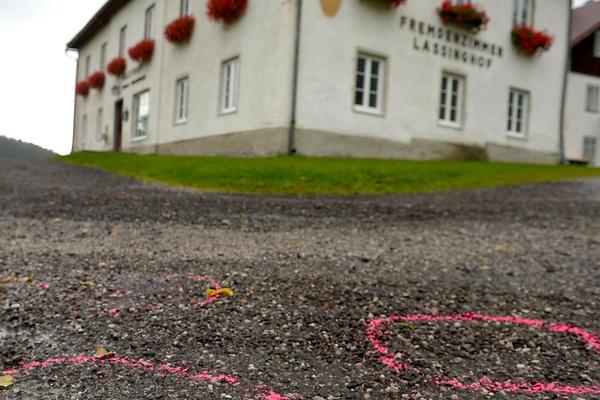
[377, 336]
[265, 393]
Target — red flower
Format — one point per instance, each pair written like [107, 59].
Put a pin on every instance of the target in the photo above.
[82, 88]
[181, 29]
[117, 66]
[466, 14]
[96, 80]
[142, 51]
[529, 40]
[395, 3]
[227, 11]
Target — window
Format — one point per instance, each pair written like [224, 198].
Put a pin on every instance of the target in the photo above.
[518, 108]
[88, 62]
[451, 100]
[185, 7]
[229, 85]
[122, 39]
[369, 83]
[597, 44]
[523, 12]
[591, 100]
[99, 123]
[149, 26]
[589, 149]
[461, 2]
[103, 56]
[83, 127]
[181, 100]
[141, 111]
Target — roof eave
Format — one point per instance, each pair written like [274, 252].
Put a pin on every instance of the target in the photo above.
[98, 21]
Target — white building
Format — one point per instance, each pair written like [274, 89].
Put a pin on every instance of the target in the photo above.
[327, 78]
[582, 112]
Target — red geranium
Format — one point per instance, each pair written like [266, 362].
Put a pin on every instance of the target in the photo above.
[117, 66]
[181, 29]
[82, 88]
[467, 14]
[96, 80]
[227, 11]
[395, 3]
[529, 40]
[142, 51]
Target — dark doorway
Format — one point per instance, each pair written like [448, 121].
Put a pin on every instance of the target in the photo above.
[118, 125]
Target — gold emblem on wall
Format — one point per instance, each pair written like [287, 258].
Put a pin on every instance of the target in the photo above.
[331, 7]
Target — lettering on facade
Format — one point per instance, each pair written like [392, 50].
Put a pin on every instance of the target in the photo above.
[451, 44]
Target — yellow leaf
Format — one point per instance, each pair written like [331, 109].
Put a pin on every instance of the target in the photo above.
[88, 283]
[6, 381]
[227, 292]
[101, 352]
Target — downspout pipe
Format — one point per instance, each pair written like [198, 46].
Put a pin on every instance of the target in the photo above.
[295, 73]
[563, 100]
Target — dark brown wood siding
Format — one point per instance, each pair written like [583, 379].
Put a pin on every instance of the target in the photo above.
[582, 58]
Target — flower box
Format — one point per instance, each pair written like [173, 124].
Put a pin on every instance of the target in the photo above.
[96, 80]
[142, 51]
[117, 66]
[180, 30]
[82, 88]
[530, 41]
[466, 15]
[227, 11]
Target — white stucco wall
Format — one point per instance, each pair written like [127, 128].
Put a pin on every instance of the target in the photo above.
[328, 62]
[579, 122]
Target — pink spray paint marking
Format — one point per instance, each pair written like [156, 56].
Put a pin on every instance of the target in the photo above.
[263, 391]
[377, 336]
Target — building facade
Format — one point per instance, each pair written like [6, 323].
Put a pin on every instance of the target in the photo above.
[327, 78]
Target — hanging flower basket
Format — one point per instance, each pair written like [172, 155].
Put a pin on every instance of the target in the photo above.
[530, 41]
[96, 80]
[117, 66]
[142, 51]
[82, 88]
[180, 30]
[227, 11]
[466, 15]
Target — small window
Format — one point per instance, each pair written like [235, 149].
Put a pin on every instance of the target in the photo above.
[141, 113]
[185, 7]
[99, 123]
[181, 100]
[122, 41]
[597, 44]
[103, 56]
[368, 94]
[518, 109]
[451, 100]
[589, 149]
[523, 12]
[83, 127]
[149, 24]
[88, 63]
[229, 85]
[592, 97]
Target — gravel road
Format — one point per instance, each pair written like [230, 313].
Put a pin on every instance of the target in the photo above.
[456, 295]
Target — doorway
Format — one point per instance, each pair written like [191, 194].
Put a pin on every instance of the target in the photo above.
[118, 126]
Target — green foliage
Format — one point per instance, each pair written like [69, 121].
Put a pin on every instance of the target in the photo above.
[16, 148]
[324, 176]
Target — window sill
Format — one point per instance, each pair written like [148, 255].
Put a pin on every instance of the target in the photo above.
[369, 111]
[227, 112]
[516, 136]
[445, 124]
[139, 139]
[182, 122]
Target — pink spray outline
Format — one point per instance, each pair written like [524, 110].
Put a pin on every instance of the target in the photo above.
[375, 334]
[264, 392]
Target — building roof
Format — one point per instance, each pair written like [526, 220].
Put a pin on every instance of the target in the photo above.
[101, 18]
[586, 20]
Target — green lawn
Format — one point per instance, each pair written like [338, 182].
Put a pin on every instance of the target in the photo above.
[332, 176]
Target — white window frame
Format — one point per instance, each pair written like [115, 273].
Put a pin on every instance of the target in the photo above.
[597, 44]
[185, 7]
[149, 18]
[517, 123]
[103, 56]
[230, 76]
[589, 149]
[451, 100]
[523, 12]
[592, 98]
[139, 109]
[363, 92]
[122, 41]
[182, 93]
[99, 123]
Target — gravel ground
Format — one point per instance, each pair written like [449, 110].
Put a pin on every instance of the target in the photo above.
[92, 261]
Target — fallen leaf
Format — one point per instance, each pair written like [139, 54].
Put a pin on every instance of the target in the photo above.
[227, 292]
[6, 381]
[88, 283]
[101, 352]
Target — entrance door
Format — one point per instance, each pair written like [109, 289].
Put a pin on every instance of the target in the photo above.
[118, 125]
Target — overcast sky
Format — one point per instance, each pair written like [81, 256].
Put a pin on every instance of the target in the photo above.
[37, 79]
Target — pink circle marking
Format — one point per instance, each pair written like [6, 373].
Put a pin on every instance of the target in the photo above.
[263, 392]
[377, 336]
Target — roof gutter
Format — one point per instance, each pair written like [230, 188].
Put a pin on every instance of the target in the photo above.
[563, 100]
[295, 73]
